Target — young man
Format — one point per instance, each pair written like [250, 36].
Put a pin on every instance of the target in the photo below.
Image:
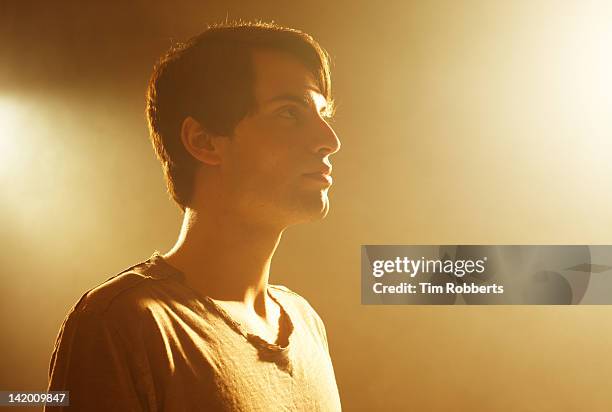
[238, 118]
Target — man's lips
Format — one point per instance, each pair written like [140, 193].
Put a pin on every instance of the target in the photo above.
[322, 170]
[324, 177]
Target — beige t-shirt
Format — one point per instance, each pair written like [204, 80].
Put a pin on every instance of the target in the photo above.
[145, 341]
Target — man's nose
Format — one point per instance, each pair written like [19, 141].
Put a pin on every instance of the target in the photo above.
[327, 140]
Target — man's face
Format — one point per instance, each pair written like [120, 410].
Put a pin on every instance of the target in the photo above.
[276, 163]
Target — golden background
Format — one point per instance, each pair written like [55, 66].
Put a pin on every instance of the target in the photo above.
[483, 122]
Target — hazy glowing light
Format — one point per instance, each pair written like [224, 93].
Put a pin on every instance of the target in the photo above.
[12, 122]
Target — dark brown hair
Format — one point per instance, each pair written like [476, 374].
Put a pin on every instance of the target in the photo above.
[210, 78]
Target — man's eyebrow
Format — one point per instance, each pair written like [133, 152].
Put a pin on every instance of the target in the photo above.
[301, 100]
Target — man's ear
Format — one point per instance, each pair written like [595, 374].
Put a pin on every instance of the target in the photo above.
[200, 144]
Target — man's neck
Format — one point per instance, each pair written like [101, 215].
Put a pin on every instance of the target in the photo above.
[225, 258]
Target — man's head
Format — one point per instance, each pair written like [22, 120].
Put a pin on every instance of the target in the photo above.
[237, 115]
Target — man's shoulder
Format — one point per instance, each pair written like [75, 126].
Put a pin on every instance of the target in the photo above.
[290, 294]
[310, 317]
[129, 287]
[297, 300]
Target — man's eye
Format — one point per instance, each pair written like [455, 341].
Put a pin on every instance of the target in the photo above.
[288, 113]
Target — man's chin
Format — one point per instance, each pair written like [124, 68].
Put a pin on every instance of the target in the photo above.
[313, 211]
